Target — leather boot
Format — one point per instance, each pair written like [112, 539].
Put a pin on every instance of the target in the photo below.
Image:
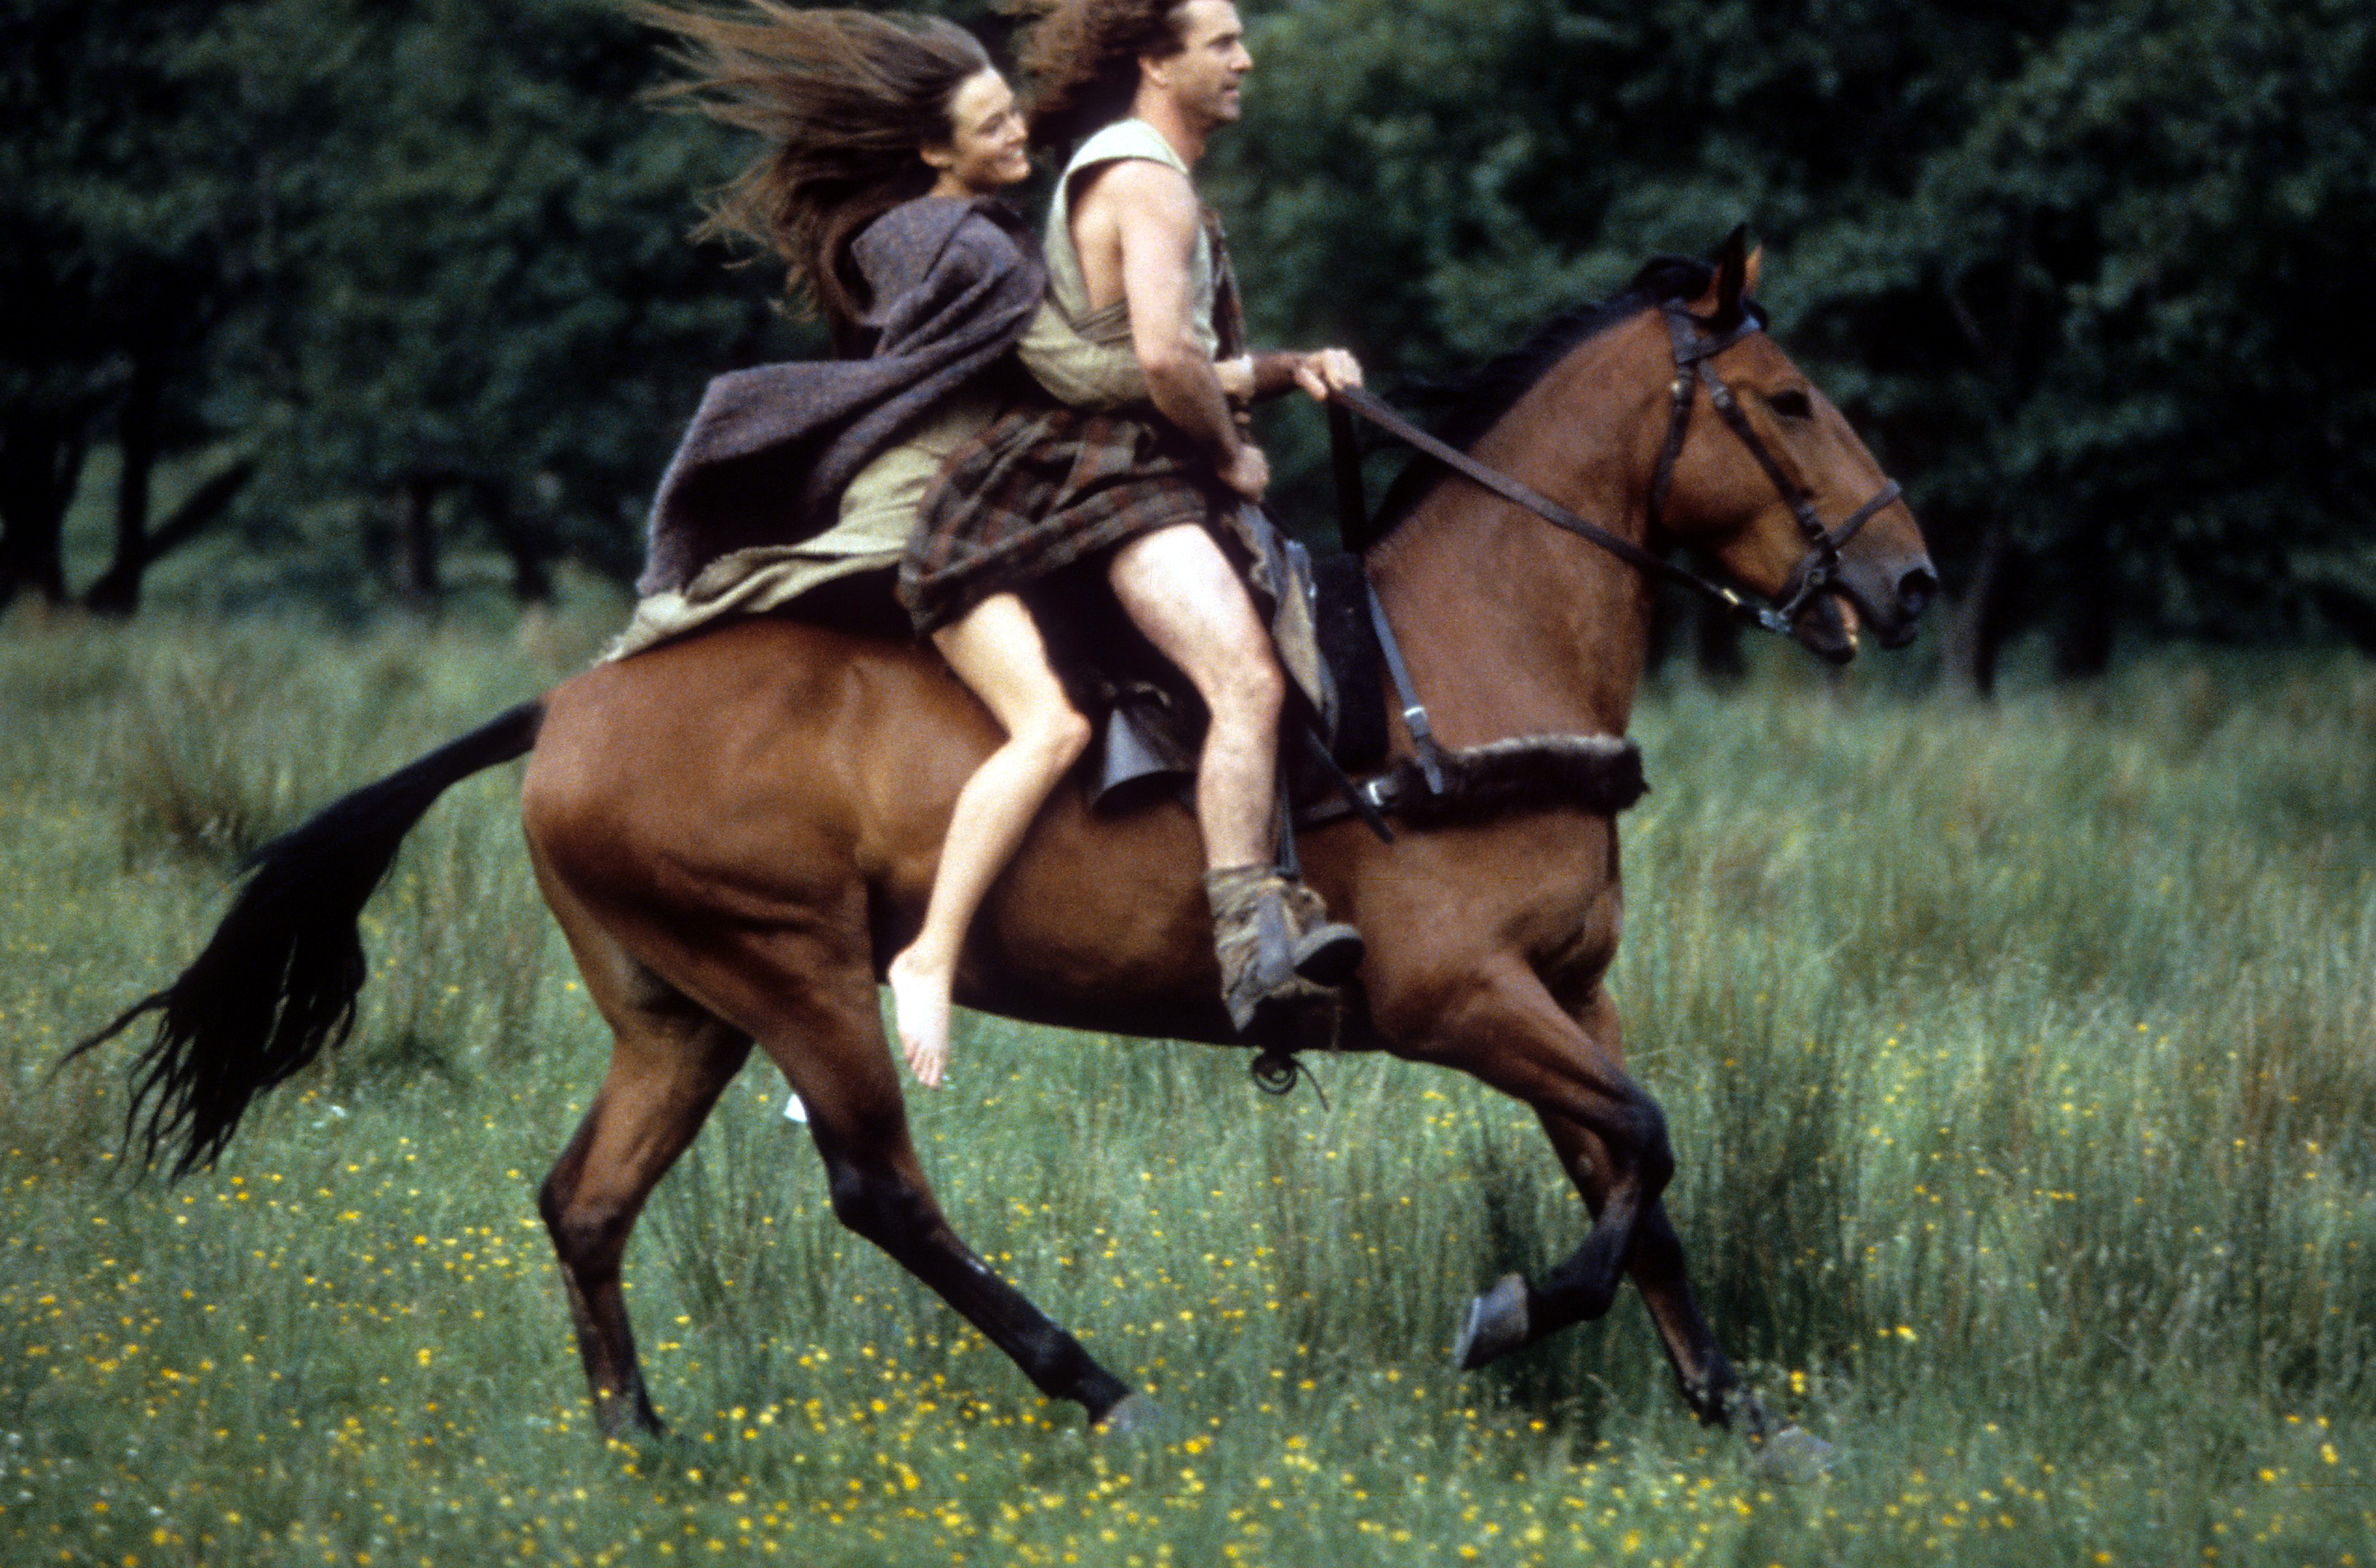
[1277, 945]
[1326, 952]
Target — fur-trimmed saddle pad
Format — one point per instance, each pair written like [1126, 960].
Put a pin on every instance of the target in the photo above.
[1601, 774]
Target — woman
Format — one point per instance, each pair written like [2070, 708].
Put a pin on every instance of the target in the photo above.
[886, 135]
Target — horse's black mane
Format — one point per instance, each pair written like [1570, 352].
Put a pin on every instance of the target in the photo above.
[1474, 404]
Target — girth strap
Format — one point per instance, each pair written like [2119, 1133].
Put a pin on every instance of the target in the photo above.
[1422, 734]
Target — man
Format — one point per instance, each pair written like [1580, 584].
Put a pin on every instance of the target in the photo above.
[1134, 262]
[1134, 229]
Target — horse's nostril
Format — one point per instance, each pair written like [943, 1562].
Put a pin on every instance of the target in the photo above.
[1915, 590]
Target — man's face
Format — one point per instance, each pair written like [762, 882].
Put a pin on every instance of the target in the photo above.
[1201, 79]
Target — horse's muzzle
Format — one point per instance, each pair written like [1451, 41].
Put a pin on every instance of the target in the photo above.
[1886, 597]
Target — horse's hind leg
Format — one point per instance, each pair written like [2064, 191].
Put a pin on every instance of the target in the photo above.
[1702, 1371]
[817, 1016]
[880, 1192]
[668, 1067]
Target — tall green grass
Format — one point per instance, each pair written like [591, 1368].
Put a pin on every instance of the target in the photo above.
[2021, 1063]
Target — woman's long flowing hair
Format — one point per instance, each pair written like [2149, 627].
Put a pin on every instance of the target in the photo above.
[844, 101]
[1082, 59]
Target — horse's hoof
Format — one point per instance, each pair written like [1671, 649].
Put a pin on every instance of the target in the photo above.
[1794, 1456]
[620, 1419]
[1496, 1326]
[1134, 1416]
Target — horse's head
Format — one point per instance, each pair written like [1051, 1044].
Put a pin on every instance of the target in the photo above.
[1761, 473]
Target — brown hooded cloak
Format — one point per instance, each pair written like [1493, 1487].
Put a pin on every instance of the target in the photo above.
[956, 283]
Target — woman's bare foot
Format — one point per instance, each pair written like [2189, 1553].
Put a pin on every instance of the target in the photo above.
[920, 1007]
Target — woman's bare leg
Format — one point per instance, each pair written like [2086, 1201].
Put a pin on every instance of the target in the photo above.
[996, 651]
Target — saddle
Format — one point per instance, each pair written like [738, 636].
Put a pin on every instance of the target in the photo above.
[1150, 723]
[1326, 626]
[1333, 639]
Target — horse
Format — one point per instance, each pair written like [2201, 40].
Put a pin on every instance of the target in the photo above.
[736, 830]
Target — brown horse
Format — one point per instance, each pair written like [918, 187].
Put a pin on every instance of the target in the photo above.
[735, 832]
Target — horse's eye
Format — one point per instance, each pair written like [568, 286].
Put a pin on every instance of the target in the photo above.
[1792, 405]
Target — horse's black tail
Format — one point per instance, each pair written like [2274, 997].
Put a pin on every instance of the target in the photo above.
[276, 985]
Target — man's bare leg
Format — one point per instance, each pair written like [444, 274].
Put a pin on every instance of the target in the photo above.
[1274, 939]
[1179, 590]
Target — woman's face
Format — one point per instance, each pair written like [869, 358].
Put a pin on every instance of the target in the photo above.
[988, 145]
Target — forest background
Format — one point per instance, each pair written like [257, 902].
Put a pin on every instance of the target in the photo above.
[382, 301]
[2017, 1052]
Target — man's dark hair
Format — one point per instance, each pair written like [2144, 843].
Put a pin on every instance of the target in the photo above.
[1082, 57]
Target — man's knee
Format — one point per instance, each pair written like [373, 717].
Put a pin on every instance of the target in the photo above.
[1180, 589]
[1251, 687]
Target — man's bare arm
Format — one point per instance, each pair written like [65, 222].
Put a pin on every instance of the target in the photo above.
[1319, 372]
[1153, 213]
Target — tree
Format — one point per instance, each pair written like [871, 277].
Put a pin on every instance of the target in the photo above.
[2077, 269]
[425, 263]
[495, 319]
[131, 219]
[2163, 210]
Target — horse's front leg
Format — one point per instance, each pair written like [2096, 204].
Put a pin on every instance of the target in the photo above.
[1702, 1370]
[1514, 1313]
[1502, 1028]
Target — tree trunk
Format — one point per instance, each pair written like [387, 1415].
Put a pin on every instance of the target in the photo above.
[523, 539]
[41, 465]
[1984, 617]
[1666, 613]
[2085, 631]
[117, 592]
[418, 524]
[1715, 645]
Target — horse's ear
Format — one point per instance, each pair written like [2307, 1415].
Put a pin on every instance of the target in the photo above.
[1732, 274]
[1735, 276]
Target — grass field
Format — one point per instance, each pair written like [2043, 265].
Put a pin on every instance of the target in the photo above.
[2021, 1063]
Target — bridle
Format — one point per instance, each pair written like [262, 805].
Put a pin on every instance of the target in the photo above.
[1696, 346]
[1695, 349]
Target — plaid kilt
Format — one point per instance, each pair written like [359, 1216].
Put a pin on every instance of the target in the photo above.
[1040, 489]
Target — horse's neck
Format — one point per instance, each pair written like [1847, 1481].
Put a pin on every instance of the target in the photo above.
[1513, 625]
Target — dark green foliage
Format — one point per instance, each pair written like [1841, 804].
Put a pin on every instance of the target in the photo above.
[426, 263]
[493, 317]
[2081, 271]
[132, 207]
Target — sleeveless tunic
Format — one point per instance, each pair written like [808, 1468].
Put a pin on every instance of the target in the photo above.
[1043, 489]
[1068, 347]
[1083, 358]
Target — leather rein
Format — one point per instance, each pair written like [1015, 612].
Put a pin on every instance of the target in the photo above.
[1696, 348]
